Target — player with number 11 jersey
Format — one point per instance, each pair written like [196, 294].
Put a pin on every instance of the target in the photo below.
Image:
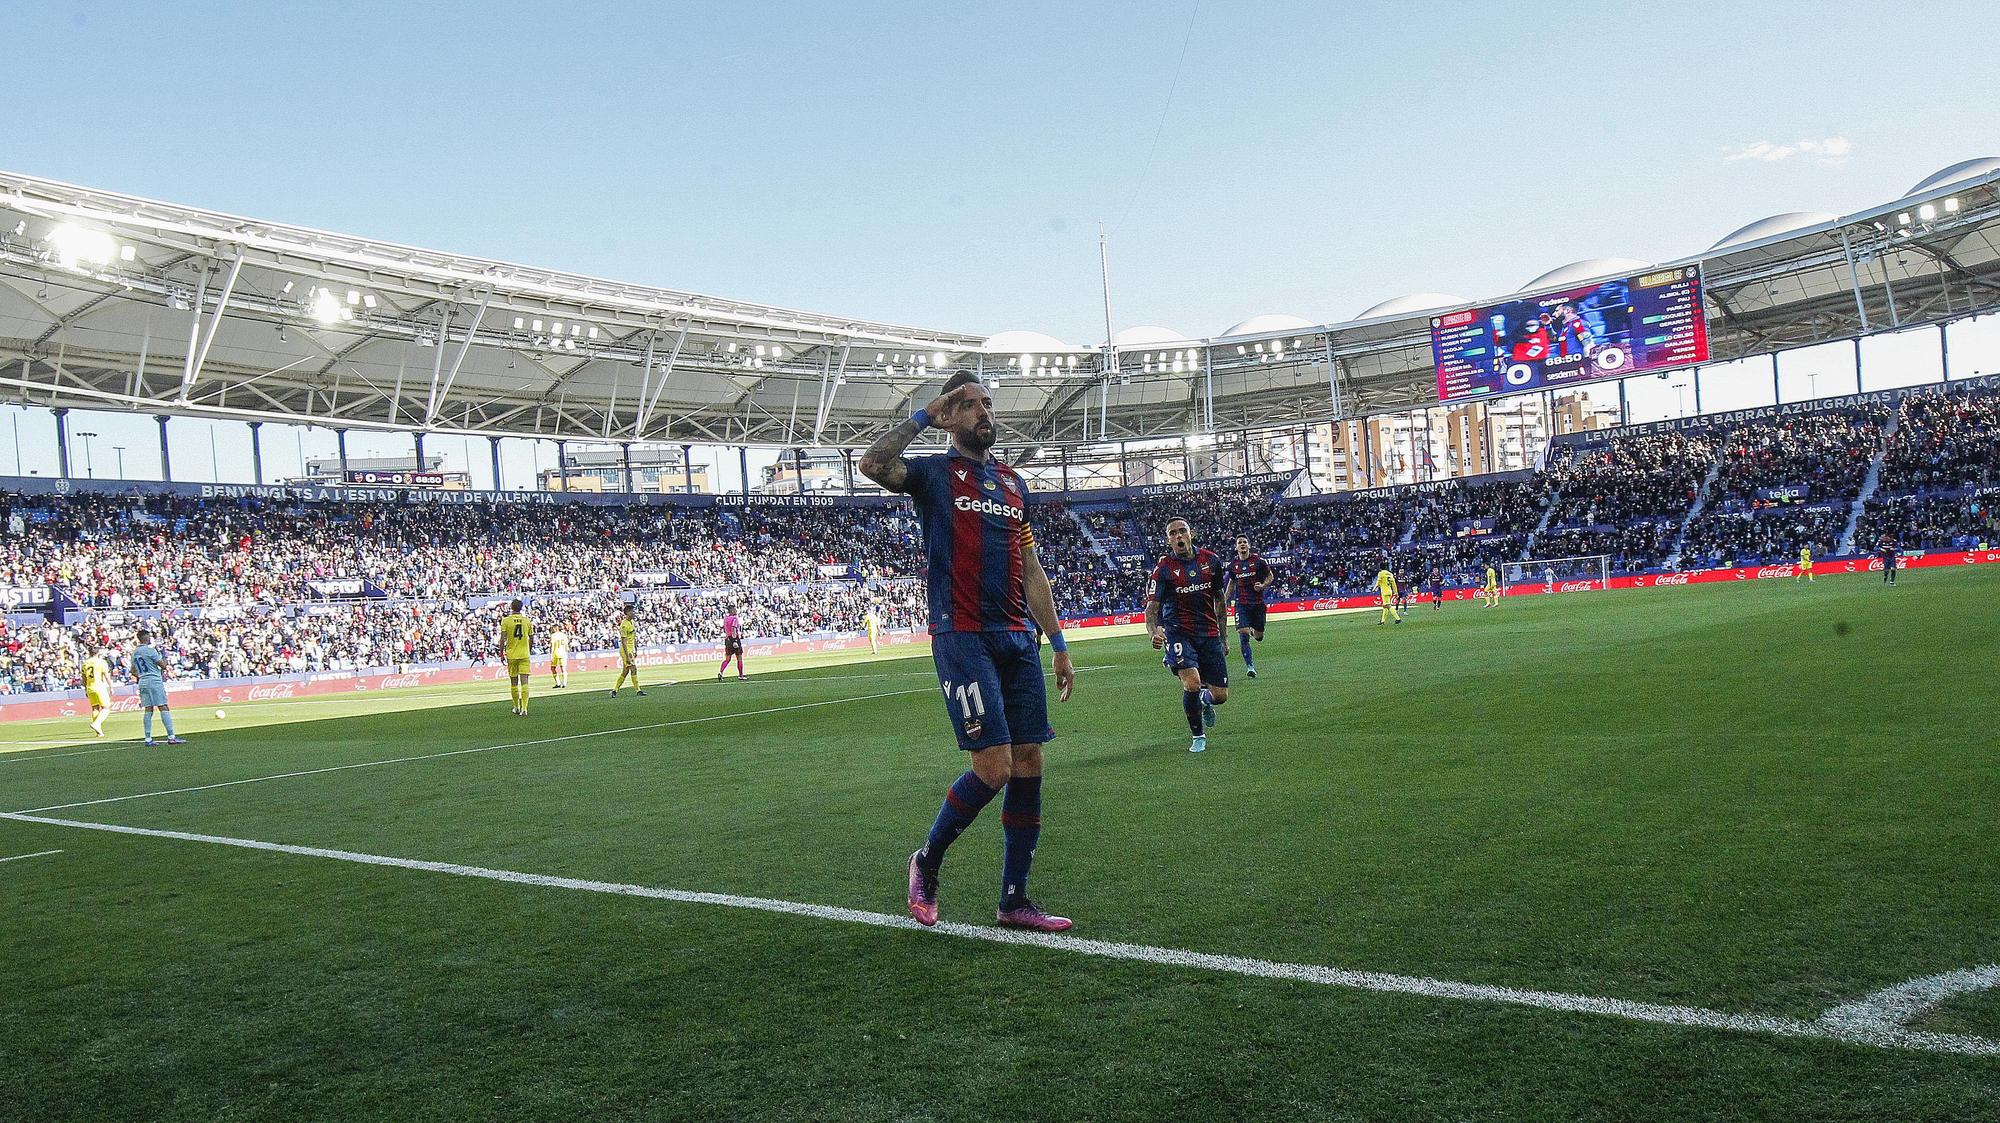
[988, 597]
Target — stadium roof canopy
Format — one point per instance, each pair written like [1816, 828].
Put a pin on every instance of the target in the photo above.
[110, 301]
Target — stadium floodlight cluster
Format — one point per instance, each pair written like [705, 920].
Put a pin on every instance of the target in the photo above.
[308, 326]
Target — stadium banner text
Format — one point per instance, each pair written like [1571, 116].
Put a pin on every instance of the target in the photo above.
[1400, 491]
[1592, 439]
[1641, 324]
[1276, 481]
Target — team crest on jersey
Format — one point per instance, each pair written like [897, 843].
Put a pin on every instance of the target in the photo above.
[973, 728]
[989, 485]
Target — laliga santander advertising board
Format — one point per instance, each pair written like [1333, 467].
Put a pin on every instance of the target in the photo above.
[1627, 325]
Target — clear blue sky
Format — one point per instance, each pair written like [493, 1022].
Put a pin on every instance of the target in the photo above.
[947, 165]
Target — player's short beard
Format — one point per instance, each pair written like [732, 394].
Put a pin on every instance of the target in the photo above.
[978, 438]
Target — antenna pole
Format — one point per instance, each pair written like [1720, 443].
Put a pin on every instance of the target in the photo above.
[1110, 344]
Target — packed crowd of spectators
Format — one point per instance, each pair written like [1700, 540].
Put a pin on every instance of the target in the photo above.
[1783, 486]
[1946, 440]
[238, 584]
[136, 551]
[1826, 454]
[346, 636]
[1959, 522]
[1627, 500]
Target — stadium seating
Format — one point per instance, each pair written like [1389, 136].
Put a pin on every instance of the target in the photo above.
[1821, 461]
[231, 584]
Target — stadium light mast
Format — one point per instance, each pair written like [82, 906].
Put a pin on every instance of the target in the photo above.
[1110, 339]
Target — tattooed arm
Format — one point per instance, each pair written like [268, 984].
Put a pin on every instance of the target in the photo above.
[884, 463]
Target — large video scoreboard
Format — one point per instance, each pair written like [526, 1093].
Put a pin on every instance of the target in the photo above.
[1629, 325]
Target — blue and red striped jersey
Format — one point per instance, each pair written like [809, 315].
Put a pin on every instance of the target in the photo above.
[1189, 592]
[975, 519]
[1248, 573]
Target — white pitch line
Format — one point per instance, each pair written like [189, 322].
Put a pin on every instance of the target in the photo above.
[1655, 1013]
[36, 854]
[11, 758]
[476, 749]
[1894, 1007]
[59, 756]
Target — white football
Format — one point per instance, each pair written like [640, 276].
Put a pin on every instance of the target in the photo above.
[219, 715]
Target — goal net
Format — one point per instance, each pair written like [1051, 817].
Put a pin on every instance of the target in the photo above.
[1580, 574]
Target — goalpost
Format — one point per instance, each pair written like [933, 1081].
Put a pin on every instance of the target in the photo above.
[1579, 574]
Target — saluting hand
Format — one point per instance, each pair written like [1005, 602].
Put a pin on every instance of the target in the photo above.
[944, 408]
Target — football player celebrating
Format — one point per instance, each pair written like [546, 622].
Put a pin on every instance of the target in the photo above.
[1184, 619]
[989, 598]
[1249, 576]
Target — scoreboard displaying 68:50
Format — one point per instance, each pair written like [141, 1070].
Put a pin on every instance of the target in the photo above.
[1610, 329]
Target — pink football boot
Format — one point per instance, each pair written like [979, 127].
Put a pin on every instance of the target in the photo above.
[923, 893]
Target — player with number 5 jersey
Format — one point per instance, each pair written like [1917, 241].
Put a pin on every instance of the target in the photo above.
[990, 604]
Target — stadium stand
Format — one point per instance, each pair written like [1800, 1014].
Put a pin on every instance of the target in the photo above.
[241, 587]
[1941, 471]
[1782, 486]
[1628, 501]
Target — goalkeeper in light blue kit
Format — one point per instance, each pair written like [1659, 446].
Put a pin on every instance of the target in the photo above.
[149, 667]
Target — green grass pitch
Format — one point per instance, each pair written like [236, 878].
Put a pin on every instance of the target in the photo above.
[1759, 798]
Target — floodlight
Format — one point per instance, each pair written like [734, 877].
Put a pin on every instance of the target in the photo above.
[878, 356]
[77, 245]
[538, 327]
[127, 253]
[937, 358]
[1951, 205]
[555, 327]
[353, 297]
[369, 300]
[777, 352]
[325, 307]
[593, 332]
[517, 323]
[287, 290]
[1903, 219]
[1927, 213]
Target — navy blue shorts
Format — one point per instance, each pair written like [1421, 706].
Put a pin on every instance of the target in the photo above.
[1204, 653]
[993, 690]
[1250, 616]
